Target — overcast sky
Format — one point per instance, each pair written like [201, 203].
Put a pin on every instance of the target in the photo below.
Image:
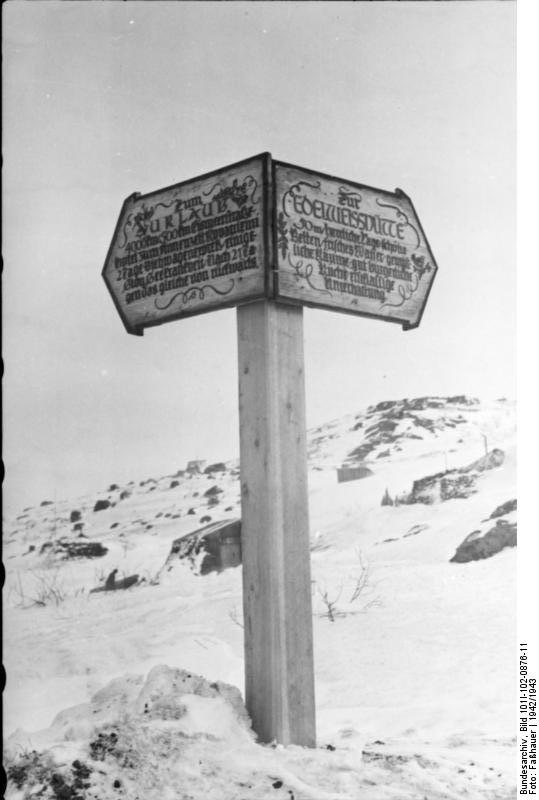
[104, 99]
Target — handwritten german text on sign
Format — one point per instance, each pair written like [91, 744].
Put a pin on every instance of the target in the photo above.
[349, 247]
[193, 247]
[204, 244]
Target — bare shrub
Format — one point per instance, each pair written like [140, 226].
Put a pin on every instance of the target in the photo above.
[361, 579]
[331, 611]
[235, 616]
[47, 589]
[361, 586]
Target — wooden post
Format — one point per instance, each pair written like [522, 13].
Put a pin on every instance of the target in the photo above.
[279, 674]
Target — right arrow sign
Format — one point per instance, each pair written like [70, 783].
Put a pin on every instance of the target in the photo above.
[347, 247]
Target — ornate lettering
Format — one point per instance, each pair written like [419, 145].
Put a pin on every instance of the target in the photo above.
[178, 250]
[340, 240]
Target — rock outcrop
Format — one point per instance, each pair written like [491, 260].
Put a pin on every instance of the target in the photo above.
[477, 546]
[394, 421]
[67, 548]
[213, 491]
[220, 466]
[505, 508]
[453, 483]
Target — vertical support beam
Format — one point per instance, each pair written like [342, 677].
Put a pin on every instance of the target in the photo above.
[279, 674]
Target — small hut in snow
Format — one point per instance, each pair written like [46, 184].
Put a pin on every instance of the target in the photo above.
[213, 548]
[352, 472]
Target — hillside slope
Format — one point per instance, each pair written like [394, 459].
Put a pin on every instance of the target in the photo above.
[414, 665]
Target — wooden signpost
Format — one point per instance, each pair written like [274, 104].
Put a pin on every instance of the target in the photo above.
[269, 238]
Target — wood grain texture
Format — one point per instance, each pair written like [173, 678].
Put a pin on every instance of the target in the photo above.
[275, 524]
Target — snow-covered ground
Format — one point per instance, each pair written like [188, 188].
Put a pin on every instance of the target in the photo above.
[415, 677]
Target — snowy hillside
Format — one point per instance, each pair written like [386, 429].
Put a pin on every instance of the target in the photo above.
[130, 693]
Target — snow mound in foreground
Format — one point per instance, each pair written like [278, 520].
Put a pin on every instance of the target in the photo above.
[176, 736]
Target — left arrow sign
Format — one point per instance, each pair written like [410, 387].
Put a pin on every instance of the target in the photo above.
[194, 247]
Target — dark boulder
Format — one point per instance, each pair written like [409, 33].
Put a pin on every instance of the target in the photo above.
[101, 505]
[67, 548]
[74, 516]
[505, 508]
[211, 492]
[476, 546]
[218, 467]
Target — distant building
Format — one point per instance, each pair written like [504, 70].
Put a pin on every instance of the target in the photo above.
[352, 473]
[214, 547]
[195, 467]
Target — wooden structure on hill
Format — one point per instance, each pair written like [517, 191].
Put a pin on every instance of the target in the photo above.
[218, 544]
[352, 472]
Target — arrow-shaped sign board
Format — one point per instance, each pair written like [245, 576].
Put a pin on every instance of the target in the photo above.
[193, 247]
[348, 247]
[261, 229]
